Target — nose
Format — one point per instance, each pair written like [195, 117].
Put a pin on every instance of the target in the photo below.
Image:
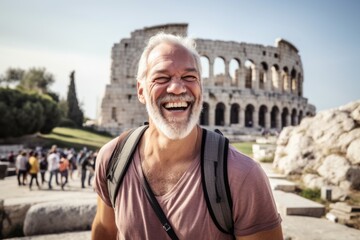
[176, 86]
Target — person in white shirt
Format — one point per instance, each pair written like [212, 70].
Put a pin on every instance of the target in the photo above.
[20, 165]
[53, 160]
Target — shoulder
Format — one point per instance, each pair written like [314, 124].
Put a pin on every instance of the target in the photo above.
[244, 170]
[106, 150]
[102, 162]
[239, 162]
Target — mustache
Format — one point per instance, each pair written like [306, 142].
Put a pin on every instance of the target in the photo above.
[173, 98]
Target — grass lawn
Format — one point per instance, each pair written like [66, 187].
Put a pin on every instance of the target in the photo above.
[76, 138]
[79, 138]
[244, 147]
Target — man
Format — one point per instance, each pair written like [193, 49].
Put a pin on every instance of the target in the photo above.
[168, 156]
[53, 160]
[20, 166]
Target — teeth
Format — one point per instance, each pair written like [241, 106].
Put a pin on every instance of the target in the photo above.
[176, 105]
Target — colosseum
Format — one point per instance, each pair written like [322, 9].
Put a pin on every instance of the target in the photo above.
[248, 88]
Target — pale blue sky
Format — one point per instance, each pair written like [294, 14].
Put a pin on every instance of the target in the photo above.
[78, 35]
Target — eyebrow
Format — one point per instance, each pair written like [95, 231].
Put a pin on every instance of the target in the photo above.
[165, 71]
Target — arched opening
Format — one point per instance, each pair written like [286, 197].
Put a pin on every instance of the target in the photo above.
[293, 117]
[263, 75]
[113, 114]
[275, 77]
[248, 73]
[204, 116]
[205, 68]
[300, 117]
[249, 112]
[300, 84]
[234, 67]
[262, 116]
[219, 71]
[293, 81]
[285, 79]
[274, 117]
[234, 113]
[284, 116]
[220, 114]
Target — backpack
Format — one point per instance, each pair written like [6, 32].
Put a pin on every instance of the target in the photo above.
[214, 149]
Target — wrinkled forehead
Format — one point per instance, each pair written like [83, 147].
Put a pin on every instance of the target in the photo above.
[171, 52]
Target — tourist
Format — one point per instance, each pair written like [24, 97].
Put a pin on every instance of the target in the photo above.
[11, 157]
[34, 169]
[168, 157]
[84, 163]
[20, 167]
[79, 158]
[64, 170]
[91, 167]
[72, 161]
[53, 161]
[43, 166]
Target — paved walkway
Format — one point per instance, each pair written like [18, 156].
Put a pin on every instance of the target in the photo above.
[294, 227]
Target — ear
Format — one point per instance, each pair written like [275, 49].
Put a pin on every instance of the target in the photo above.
[140, 91]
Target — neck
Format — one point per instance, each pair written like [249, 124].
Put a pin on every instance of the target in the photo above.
[158, 147]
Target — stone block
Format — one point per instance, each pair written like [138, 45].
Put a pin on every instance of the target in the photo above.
[3, 170]
[57, 217]
[282, 185]
[292, 204]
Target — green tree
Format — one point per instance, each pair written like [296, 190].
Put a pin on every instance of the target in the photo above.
[36, 79]
[26, 113]
[12, 76]
[74, 112]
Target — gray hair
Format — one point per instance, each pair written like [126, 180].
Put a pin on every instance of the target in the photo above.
[162, 37]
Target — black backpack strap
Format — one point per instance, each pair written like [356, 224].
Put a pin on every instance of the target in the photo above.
[120, 160]
[214, 153]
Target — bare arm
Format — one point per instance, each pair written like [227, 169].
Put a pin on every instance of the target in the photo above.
[103, 226]
[273, 234]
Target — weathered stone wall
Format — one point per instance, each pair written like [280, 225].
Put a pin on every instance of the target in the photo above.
[259, 87]
[324, 150]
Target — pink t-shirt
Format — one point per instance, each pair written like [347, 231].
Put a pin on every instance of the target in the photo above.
[254, 208]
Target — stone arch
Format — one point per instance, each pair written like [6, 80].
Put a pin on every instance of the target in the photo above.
[219, 71]
[249, 115]
[300, 85]
[293, 81]
[294, 117]
[275, 113]
[263, 75]
[262, 116]
[204, 115]
[249, 66]
[205, 67]
[275, 80]
[300, 116]
[220, 114]
[284, 116]
[285, 79]
[234, 67]
[234, 113]
[132, 71]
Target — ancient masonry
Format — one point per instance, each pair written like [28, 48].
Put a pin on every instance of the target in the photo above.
[247, 87]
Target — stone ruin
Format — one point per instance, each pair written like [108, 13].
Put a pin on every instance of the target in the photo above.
[248, 88]
[324, 150]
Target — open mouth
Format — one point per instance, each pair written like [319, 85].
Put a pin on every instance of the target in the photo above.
[176, 106]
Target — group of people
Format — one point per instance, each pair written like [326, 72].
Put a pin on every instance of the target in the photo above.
[57, 162]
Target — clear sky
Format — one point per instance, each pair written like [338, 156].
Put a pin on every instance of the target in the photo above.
[78, 35]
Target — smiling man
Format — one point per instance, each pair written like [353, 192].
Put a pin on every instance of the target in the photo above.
[168, 158]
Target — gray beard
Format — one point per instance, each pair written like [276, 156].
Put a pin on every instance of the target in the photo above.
[173, 129]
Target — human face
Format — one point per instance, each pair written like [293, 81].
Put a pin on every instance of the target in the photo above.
[172, 90]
